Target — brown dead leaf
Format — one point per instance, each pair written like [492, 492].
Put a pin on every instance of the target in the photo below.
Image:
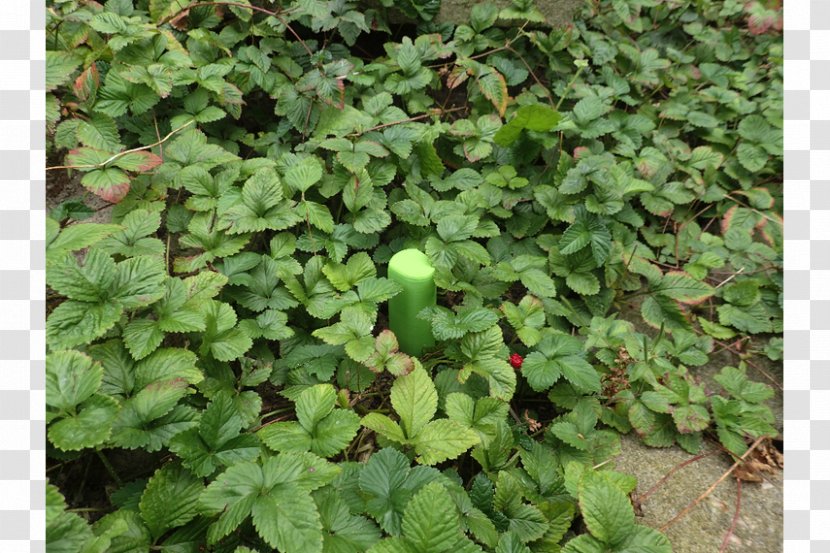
[180, 21]
[764, 459]
[532, 424]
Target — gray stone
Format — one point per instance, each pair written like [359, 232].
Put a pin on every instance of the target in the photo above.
[759, 528]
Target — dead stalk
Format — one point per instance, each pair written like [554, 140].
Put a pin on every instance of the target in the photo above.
[711, 488]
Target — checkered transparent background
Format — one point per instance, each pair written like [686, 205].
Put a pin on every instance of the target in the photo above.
[807, 276]
[22, 288]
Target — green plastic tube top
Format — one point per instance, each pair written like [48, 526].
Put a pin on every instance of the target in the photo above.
[412, 270]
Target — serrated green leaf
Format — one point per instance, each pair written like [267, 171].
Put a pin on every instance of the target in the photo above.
[683, 288]
[71, 379]
[415, 400]
[100, 132]
[606, 509]
[384, 426]
[90, 426]
[752, 157]
[389, 483]
[274, 493]
[430, 521]
[77, 237]
[443, 439]
[59, 68]
[169, 500]
[343, 532]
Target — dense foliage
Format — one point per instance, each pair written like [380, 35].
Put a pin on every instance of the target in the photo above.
[601, 203]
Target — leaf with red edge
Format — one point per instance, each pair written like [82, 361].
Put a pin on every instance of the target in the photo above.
[87, 158]
[138, 162]
[770, 232]
[760, 19]
[727, 218]
[456, 77]
[341, 86]
[110, 183]
[87, 83]
[494, 88]
[161, 9]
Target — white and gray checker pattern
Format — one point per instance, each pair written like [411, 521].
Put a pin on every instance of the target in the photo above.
[806, 262]
[807, 276]
[22, 276]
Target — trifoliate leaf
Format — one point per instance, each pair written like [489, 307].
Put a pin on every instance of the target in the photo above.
[276, 493]
[560, 355]
[389, 483]
[217, 441]
[321, 429]
[739, 386]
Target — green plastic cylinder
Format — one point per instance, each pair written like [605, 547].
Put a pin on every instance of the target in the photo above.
[412, 270]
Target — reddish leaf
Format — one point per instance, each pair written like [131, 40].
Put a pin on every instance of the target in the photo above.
[761, 19]
[457, 77]
[727, 219]
[341, 86]
[494, 88]
[579, 151]
[110, 184]
[138, 161]
[87, 83]
[87, 156]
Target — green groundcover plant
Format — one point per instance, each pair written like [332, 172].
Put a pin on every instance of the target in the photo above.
[601, 203]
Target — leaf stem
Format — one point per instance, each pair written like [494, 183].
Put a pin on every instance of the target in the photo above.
[733, 275]
[109, 467]
[532, 74]
[86, 510]
[568, 88]
[408, 120]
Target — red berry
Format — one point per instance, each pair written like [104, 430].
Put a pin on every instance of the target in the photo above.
[516, 361]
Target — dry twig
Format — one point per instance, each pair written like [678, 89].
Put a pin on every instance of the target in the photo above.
[711, 488]
[684, 464]
[731, 530]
